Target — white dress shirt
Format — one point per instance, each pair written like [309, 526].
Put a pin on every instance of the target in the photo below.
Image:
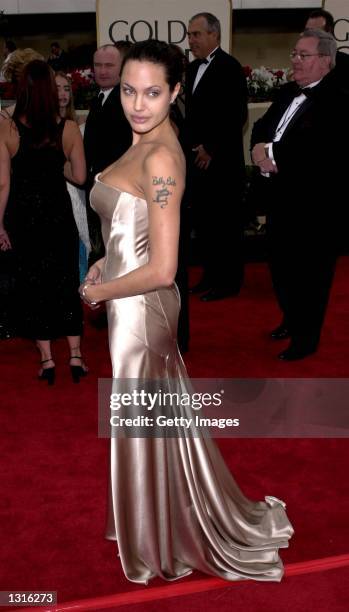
[203, 67]
[105, 93]
[285, 120]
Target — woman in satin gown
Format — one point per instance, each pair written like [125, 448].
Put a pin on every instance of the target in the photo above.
[174, 505]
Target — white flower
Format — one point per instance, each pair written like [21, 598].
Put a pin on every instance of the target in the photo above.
[261, 81]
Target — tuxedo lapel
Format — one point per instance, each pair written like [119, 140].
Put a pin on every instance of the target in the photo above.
[190, 78]
[109, 102]
[303, 108]
[205, 79]
[275, 116]
[114, 94]
[300, 111]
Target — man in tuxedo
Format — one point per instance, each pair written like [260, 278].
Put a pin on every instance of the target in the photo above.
[107, 133]
[299, 146]
[323, 20]
[216, 110]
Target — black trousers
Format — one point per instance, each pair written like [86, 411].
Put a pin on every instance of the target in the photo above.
[216, 205]
[302, 272]
[182, 279]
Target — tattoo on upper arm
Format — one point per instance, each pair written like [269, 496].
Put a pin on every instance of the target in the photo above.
[163, 192]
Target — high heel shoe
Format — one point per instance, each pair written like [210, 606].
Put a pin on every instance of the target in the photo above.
[77, 371]
[47, 373]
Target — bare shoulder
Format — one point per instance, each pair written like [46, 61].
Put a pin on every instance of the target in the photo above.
[163, 176]
[8, 131]
[4, 127]
[71, 127]
[6, 113]
[166, 159]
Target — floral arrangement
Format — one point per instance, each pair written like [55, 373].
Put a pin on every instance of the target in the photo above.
[263, 82]
[83, 86]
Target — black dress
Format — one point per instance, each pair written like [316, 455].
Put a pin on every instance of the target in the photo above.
[45, 241]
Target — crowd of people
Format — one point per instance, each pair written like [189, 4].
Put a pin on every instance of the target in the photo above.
[213, 149]
[173, 505]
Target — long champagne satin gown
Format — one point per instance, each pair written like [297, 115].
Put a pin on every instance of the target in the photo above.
[174, 505]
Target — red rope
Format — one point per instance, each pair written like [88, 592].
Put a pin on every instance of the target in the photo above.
[184, 588]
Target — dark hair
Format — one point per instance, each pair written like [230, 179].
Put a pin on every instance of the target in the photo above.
[123, 46]
[10, 45]
[158, 52]
[213, 23]
[37, 102]
[329, 21]
[55, 44]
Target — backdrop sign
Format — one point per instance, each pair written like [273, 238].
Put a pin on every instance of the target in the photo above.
[165, 20]
[340, 12]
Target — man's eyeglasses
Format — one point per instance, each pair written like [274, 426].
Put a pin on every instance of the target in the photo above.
[303, 56]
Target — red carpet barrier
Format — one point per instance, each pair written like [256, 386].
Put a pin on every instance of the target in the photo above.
[184, 588]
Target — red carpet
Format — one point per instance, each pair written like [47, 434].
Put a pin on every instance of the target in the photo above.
[53, 467]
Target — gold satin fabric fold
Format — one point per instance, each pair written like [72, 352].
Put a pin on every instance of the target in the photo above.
[173, 504]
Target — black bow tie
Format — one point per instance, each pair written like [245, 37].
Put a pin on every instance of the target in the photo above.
[211, 56]
[307, 91]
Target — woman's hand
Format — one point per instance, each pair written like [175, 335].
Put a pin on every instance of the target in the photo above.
[93, 279]
[94, 275]
[88, 294]
[5, 243]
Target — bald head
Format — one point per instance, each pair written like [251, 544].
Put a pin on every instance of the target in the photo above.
[107, 63]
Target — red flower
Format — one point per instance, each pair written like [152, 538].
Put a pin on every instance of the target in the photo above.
[248, 71]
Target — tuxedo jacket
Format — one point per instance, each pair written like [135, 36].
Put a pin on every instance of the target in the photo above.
[342, 68]
[217, 110]
[310, 156]
[107, 134]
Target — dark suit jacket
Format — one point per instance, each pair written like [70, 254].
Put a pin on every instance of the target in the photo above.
[107, 134]
[310, 157]
[342, 67]
[217, 111]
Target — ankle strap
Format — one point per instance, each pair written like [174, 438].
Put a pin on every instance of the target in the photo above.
[46, 360]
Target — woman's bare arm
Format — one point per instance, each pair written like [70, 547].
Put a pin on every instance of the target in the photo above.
[163, 186]
[5, 177]
[73, 147]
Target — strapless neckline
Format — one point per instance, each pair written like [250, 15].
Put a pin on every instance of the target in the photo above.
[98, 180]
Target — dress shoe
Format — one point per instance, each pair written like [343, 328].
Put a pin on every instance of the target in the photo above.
[47, 374]
[201, 287]
[293, 353]
[280, 333]
[217, 294]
